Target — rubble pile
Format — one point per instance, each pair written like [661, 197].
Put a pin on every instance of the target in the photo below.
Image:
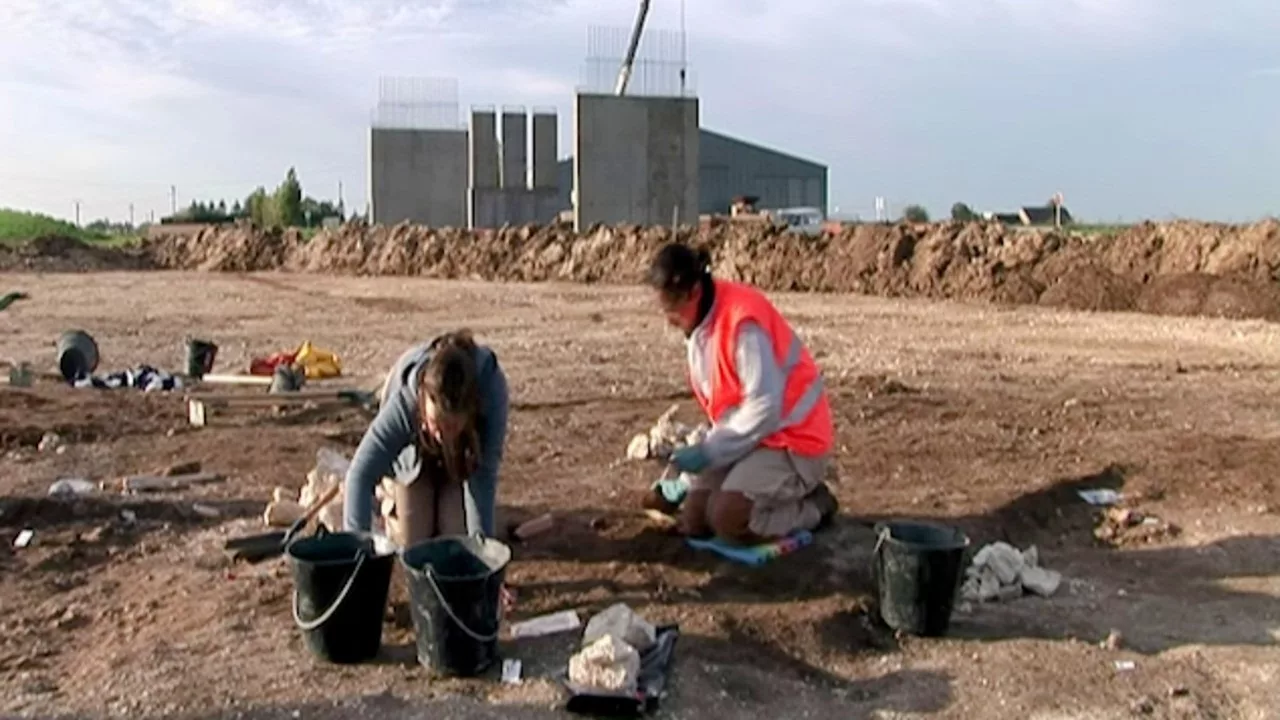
[1000, 571]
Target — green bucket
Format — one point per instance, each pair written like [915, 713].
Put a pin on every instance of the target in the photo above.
[200, 357]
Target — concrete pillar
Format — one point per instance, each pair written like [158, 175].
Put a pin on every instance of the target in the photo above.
[546, 135]
[514, 149]
[483, 149]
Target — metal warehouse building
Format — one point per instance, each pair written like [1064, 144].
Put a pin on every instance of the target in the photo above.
[728, 167]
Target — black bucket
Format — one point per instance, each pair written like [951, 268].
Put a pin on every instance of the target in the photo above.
[455, 587]
[918, 568]
[77, 355]
[200, 357]
[340, 594]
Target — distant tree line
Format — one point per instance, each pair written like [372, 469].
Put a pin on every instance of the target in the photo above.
[286, 206]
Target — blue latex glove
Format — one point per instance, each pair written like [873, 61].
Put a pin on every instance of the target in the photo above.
[690, 459]
[673, 490]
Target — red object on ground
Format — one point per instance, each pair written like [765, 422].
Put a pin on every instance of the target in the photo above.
[267, 365]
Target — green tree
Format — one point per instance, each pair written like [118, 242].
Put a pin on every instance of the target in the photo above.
[288, 201]
[257, 208]
[915, 214]
[961, 212]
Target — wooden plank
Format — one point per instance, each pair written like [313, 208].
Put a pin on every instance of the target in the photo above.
[154, 483]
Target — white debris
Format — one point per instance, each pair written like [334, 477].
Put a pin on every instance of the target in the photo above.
[24, 538]
[1100, 496]
[666, 435]
[547, 624]
[608, 664]
[50, 441]
[622, 623]
[69, 487]
[511, 671]
[1001, 572]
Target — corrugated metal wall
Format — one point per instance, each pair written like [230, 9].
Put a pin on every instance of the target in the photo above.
[728, 167]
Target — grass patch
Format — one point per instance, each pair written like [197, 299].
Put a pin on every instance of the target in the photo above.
[18, 227]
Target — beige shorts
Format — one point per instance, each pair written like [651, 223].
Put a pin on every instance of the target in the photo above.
[777, 482]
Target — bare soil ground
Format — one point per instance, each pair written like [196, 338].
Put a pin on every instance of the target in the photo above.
[986, 417]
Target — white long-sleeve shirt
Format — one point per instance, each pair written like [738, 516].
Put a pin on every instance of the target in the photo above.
[759, 414]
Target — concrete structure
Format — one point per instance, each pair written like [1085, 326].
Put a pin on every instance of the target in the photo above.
[511, 199]
[635, 159]
[515, 153]
[483, 141]
[546, 144]
[419, 176]
[728, 167]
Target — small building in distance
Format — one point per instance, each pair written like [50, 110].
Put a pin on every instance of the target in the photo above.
[1032, 216]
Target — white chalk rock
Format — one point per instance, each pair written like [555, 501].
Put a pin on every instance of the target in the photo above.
[1031, 556]
[638, 448]
[1040, 581]
[623, 623]
[607, 664]
[1004, 559]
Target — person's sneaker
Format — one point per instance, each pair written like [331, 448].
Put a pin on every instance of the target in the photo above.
[827, 505]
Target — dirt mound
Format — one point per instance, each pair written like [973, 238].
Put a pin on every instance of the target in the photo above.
[58, 253]
[238, 248]
[1149, 267]
[1089, 287]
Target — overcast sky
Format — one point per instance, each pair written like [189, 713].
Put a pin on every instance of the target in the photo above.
[1131, 108]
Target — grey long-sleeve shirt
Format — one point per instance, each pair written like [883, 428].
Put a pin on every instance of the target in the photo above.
[759, 414]
[390, 445]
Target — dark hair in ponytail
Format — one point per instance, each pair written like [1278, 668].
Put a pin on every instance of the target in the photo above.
[451, 382]
[678, 268]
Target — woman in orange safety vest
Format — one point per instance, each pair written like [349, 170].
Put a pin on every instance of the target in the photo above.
[759, 473]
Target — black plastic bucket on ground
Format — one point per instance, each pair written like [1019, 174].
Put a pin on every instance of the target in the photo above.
[340, 594]
[200, 357]
[919, 567]
[455, 587]
[77, 355]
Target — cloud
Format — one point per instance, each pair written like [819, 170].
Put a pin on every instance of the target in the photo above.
[123, 97]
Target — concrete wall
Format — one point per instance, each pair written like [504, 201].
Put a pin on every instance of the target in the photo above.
[515, 152]
[546, 144]
[495, 207]
[635, 159]
[484, 149]
[419, 176]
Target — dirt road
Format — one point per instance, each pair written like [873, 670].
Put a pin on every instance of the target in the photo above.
[990, 418]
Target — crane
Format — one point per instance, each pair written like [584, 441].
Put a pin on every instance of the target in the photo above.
[624, 74]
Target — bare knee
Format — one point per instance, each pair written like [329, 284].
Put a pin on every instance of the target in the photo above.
[731, 517]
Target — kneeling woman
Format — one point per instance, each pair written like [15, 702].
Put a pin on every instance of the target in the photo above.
[439, 434]
[759, 472]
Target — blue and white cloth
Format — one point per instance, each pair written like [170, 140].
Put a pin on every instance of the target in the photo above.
[143, 377]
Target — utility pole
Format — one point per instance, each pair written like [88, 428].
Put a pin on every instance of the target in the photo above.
[77, 204]
[173, 199]
[341, 207]
[131, 216]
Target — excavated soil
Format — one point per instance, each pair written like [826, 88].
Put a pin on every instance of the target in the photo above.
[58, 253]
[993, 422]
[1181, 268]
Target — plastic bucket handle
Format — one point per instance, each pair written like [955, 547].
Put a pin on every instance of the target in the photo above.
[310, 625]
[478, 637]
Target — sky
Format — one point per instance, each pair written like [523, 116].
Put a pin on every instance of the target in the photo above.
[1133, 109]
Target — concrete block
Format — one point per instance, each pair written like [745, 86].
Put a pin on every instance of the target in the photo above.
[515, 156]
[635, 160]
[546, 132]
[484, 149]
[419, 176]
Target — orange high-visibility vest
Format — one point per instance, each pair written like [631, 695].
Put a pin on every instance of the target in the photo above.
[806, 414]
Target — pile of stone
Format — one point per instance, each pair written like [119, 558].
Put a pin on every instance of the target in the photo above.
[1002, 572]
[665, 437]
[611, 647]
